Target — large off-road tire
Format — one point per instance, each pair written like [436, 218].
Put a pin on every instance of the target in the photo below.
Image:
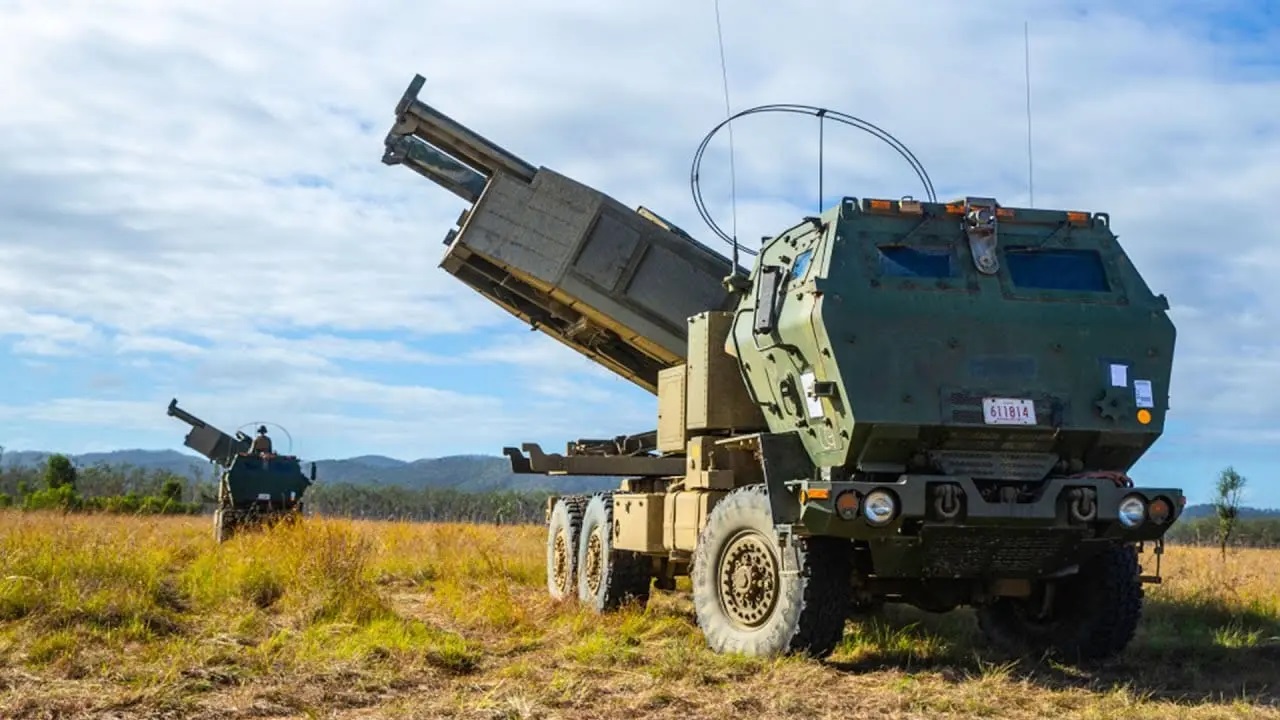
[562, 547]
[1094, 613]
[746, 604]
[608, 578]
[291, 516]
[224, 525]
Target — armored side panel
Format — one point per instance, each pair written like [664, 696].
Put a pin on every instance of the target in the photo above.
[613, 283]
[717, 396]
[671, 408]
[637, 522]
[254, 479]
[684, 514]
[965, 338]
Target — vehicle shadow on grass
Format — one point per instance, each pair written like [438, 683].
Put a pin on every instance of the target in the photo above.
[1202, 652]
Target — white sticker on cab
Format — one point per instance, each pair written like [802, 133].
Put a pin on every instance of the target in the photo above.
[1119, 375]
[812, 402]
[1142, 395]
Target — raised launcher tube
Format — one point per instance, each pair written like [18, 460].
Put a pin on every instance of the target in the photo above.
[208, 440]
[617, 285]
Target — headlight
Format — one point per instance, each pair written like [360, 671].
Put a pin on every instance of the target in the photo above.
[1133, 510]
[879, 507]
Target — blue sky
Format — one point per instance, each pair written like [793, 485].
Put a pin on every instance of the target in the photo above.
[192, 203]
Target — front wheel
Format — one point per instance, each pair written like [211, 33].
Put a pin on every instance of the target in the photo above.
[744, 600]
[1092, 615]
[224, 525]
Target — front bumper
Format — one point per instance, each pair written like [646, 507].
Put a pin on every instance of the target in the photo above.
[942, 526]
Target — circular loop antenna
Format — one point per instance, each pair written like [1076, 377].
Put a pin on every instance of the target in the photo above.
[821, 113]
[256, 423]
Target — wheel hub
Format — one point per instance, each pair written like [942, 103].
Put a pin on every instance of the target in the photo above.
[595, 557]
[748, 580]
[560, 561]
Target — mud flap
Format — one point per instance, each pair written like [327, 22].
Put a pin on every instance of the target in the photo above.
[783, 461]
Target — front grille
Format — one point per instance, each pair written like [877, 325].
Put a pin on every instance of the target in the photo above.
[1013, 466]
[970, 552]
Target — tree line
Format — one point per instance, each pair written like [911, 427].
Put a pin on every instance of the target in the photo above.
[392, 502]
[1260, 532]
[59, 484]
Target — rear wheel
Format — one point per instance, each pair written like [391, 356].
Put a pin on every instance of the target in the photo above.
[1092, 615]
[562, 547]
[746, 604]
[608, 578]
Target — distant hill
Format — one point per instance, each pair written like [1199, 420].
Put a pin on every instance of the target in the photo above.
[1204, 510]
[170, 460]
[469, 473]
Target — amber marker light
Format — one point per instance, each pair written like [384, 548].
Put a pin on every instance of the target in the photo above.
[814, 494]
[847, 505]
[1159, 511]
[1144, 416]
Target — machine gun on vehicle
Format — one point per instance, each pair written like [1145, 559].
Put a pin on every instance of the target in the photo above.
[254, 488]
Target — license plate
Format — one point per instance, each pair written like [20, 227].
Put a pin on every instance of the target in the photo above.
[1008, 411]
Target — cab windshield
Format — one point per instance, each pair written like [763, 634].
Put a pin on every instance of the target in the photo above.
[1056, 269]
[917, 262]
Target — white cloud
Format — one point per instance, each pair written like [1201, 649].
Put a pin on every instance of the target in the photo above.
[194, 194]
[124, 414]
[148, 344]
[535, 352]
[41, 333]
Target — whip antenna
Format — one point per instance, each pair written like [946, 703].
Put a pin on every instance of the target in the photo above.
[728, 111]
[1026, 44]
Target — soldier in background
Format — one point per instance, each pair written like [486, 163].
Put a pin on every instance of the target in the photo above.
[262, 443]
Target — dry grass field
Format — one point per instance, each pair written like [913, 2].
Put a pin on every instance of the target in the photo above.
[122, 617]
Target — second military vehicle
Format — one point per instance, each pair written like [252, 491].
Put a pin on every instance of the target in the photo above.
[256, 485]
[922, 402]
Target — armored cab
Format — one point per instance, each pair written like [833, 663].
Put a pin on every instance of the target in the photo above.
[260, 487]
[931, 403]
[970, 339]
[256, 485]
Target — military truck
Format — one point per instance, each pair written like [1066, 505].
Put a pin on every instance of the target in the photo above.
[908, 401]
[255, 488]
